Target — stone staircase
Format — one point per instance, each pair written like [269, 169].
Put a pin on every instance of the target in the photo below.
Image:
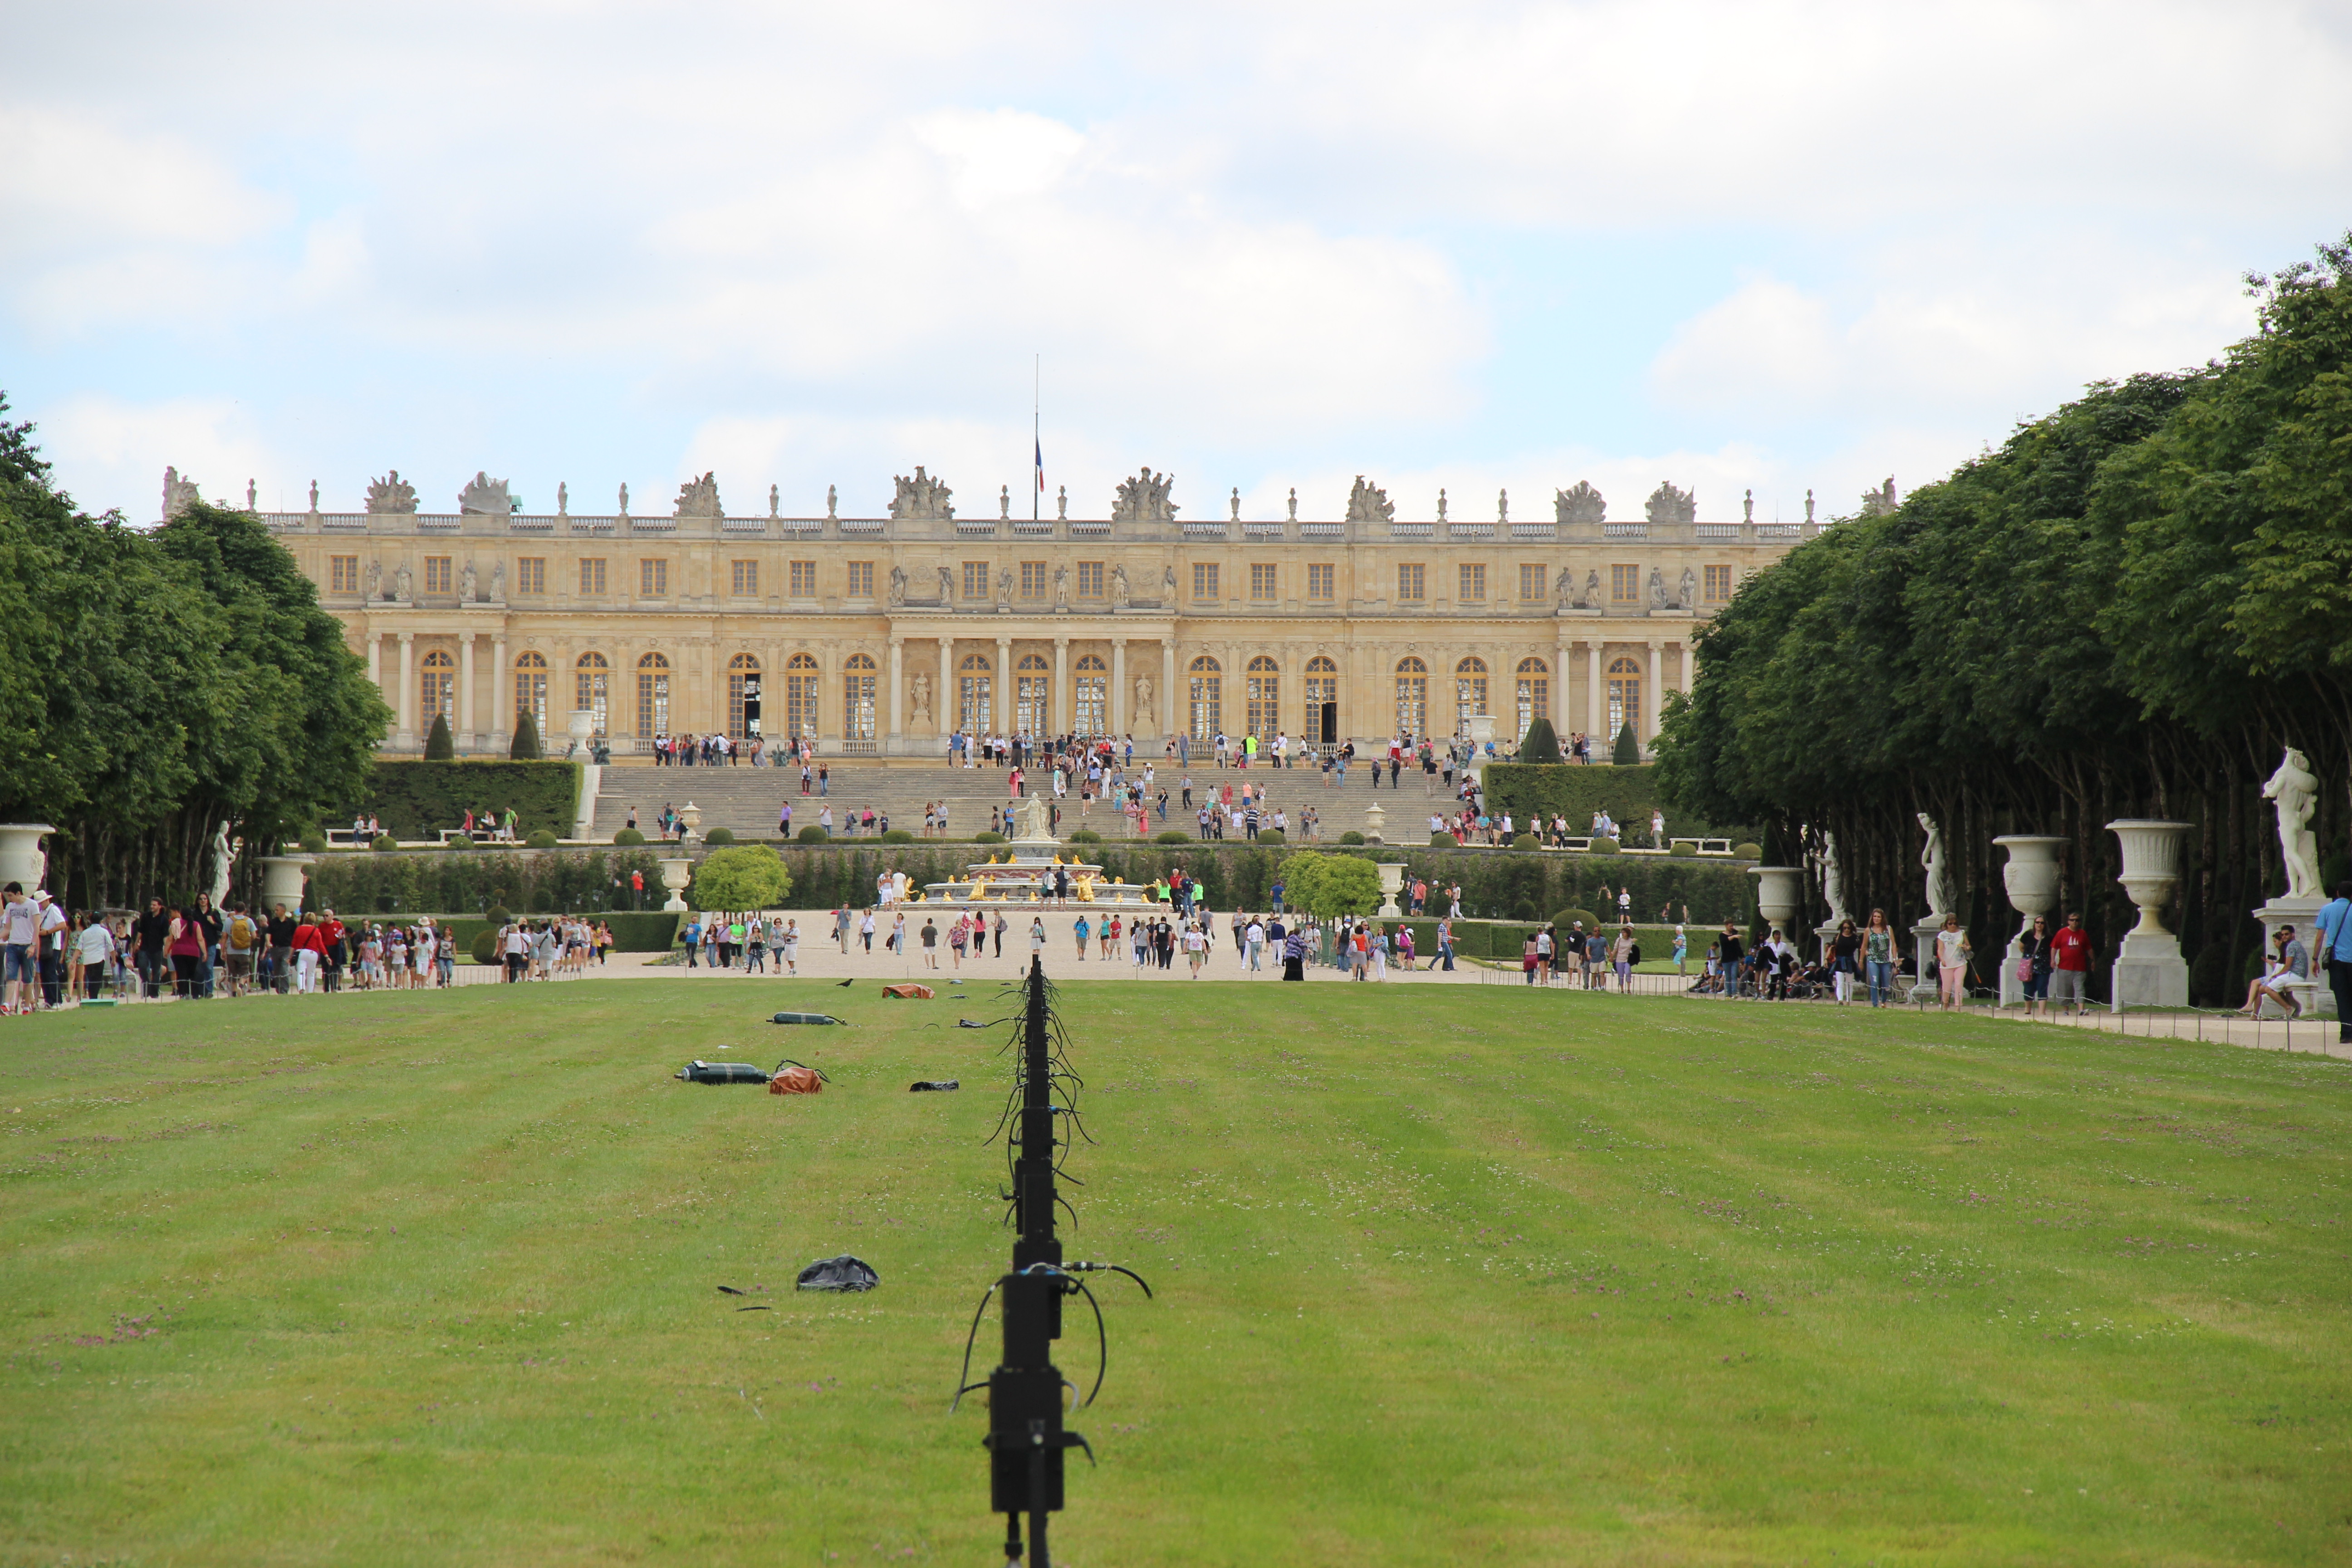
[745, 800]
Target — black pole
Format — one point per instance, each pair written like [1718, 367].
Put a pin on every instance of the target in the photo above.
[1026, 1439]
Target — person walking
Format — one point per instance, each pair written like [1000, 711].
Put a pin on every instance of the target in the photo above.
[2333, 956]
[2070, 964]
[1952, 953]
[1878, 958]
[2034, 967]
[931, 935]
[1729, 951]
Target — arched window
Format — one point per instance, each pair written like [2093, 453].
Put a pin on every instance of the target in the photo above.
[652, 695]
[971, 693]
[857, 697]
[1208, 698]
[1412, 697]
[1033, 695]
[593, 689]
[1264, 688]
[1094, 694]
[800, 697]
[743, 695]
[437, 684]
[1322, 702]
[1469, 693]
[1534, 693]
[530, 690]
[1624, 697]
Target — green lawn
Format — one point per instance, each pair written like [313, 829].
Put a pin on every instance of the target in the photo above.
[1449, 1275]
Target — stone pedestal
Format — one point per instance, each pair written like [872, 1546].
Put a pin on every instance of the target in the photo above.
[2303, 915]
[282, 881]
[676, 871]
[21, 860]
[1375, 824]
[1922, 945]
[2149, 972]
[690, 816]
[2032, 878]
[1391, 884]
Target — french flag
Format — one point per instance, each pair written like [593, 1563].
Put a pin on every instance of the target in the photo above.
[1041, 466]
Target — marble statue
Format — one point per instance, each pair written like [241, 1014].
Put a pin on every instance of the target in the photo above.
[1563, 591]
[829, 501]
[1370, 503]
[1062, 501]
[921, 497]
[1581, 503]
[625, 497]
[1747, 507]
[498, 581]
[1667, 504]
[251, 503]
[897, 586]
[401, 582]
[221, 857]
[2295, 790]
[1168, 583]
[1689, 599]
[1144, 499]
[314, 498]
[1441, 503]
[1657, 589]
[1809, 509]
[1062, 585]
[1832, 878]
[1941, 897]
[1036, 822]
[1874, 503]
[1236, 504]
[1590, 598]
[485, 497]
[563, 498]
[922, 698]
[1143, 705]
[1118, 587]
[1503, 506]
[947, 586]
[466, 582]
[375, 580]
[1294, 503]
[391, 494]
[699, 498]
[1005, 501]
[1004, 587]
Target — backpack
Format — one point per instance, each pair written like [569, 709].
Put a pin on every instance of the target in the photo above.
[240, 934]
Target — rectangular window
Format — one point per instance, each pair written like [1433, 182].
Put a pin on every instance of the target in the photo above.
[804, 579]
[531, 574]
[743, 579]
[861, 586]
[1718, 584]
[653, 579]
[857, 697]
[1411, 585]
[975, 579]
[592, 576]
[1261, 580]
[1319, 583]
[1624, 584]
[1205, 579]
[342, 574]
[1531, 581]
[1033, 587]
[437, 575]
[1090, 586]
[1471, 583]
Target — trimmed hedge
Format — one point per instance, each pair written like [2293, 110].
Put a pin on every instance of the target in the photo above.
[456, 883]
[544, 838]
[987, 838]
[628, 838]
[813, 833]
[414, 799]
[1171, 837]
[1352, 836]
[652, 932]
[720, 836]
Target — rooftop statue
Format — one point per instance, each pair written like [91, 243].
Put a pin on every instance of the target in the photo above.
[486, 497]
[392, 493]
[1370, 503]
[1880, 501]
[1580, 503]
[179, 494]
[1144, 499]
[921, 497]
[699, 498]
[1667, 504]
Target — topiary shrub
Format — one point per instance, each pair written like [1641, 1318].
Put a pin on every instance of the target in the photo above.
[1628, 751]
[1748, 852]
[898, 836]
[1266, 836]
[440, 746]
[1526, 841]
[526, 748]
[1173, 836]
[628, 838]
[1085, 835]
[462, 841]
[720, 836]
[1443, 841]
[499, 915]
[542, 839]
[1604, 847]
[1352, 836]
[987, 838]
[813, 833]
[1567, 918]
[313, 841]
[1539, 744]
[384, 841]
[1683, 851]
[486, 946]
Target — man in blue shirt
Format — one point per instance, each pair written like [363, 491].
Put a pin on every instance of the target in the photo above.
[2335, 947]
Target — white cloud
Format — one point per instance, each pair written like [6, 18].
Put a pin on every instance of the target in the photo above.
[115, 452]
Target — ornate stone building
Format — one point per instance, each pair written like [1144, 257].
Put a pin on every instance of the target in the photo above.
[880, 636]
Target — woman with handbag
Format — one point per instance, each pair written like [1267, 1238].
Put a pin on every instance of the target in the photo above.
[1845, 958]
[2034, 967]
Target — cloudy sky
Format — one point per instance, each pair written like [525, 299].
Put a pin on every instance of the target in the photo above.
[1771, 244]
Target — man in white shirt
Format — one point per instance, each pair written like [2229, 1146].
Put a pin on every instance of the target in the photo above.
[1256, 941]
[20, 930]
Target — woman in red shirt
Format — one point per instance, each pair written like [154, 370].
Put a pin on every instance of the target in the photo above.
[310, 951]
[186, 948]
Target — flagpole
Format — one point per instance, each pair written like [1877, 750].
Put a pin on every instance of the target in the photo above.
[1037, 433]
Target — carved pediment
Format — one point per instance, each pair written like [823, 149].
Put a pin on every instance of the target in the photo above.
[1144, 499]
[1667, 504]
[1578, 504]
[921, 497]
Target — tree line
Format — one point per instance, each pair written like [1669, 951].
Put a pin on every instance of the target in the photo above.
[2129, 609]
[162, 684]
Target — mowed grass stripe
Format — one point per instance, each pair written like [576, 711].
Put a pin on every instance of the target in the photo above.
[1478, 1274]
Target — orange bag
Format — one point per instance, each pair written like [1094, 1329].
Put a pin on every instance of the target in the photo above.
[792, 1077]
[907, 991]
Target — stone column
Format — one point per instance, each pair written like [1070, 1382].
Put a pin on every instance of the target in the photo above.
[405, 740]
[1060, 708]
[1657, 674]
[946, 717]
[1169, 712]
[1594, 712]
[502, 696]
[1118, 685]
[466, 739]
[375, 660]
[1562, 650]
[999, 690]
[898, 685]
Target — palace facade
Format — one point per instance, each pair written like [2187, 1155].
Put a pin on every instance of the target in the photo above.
[881, 635]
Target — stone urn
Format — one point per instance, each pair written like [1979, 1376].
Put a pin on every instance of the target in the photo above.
[581, 725]
[691, 816]
[2149, 971]
[1391, 884]
[1375, 824]
[2030, 877]
[21, 860]
[677, 871]
[282, 881]
[1779, 893]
